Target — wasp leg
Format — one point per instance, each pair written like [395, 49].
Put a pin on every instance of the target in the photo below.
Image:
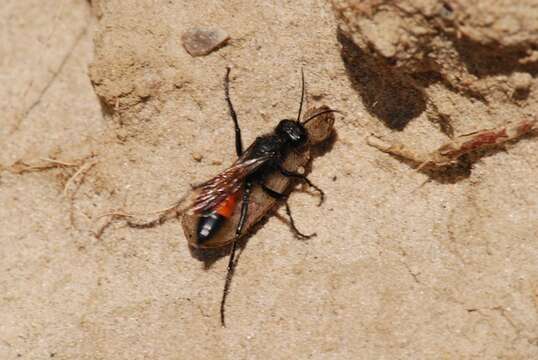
[306, 180]
[238, 139]
[231, 262]
[279, 196]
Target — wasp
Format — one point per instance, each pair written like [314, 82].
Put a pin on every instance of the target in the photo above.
[218, 212]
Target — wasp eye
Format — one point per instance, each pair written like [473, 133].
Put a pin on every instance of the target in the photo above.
[293, 132]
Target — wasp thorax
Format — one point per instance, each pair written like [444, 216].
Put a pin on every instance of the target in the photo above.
[292, 131]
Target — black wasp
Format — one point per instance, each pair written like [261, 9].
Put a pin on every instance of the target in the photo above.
[212, 203]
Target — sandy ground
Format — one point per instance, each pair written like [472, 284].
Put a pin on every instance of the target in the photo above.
[402, 267]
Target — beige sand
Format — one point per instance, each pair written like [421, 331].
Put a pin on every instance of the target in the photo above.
[398, 270]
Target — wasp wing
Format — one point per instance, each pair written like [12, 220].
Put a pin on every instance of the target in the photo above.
[214, 191]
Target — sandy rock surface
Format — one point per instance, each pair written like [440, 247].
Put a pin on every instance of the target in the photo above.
[456, 60]
[403, 265]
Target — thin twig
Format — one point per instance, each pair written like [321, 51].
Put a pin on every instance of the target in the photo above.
[80, 172]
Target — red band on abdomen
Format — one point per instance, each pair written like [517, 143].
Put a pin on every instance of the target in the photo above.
[227, 207]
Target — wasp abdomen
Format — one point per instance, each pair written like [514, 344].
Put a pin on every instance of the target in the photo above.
[210, 222]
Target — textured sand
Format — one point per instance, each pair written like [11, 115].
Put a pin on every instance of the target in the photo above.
[399, 269]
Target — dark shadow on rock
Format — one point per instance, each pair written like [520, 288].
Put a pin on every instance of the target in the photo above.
[462, 168]
[327, 145]
[394, 98]
[521, 94]
[486, 60]
[449, 174]
[452, 174]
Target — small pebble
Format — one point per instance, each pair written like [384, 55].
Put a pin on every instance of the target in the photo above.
[200, 41]
[521, 81]
[142, 90]
[197, 156]
[446, 11]
[316, 95]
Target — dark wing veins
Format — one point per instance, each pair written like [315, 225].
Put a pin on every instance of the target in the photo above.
[214, 191]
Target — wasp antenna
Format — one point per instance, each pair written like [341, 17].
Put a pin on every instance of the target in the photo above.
[321, 113]
[302, 96]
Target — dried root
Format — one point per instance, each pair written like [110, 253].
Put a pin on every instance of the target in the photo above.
[173, 211]
[450, 153]
[72, 184]
[78, 178]
[43, 164]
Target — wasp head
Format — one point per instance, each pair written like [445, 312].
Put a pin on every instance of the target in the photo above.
[292, 132]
